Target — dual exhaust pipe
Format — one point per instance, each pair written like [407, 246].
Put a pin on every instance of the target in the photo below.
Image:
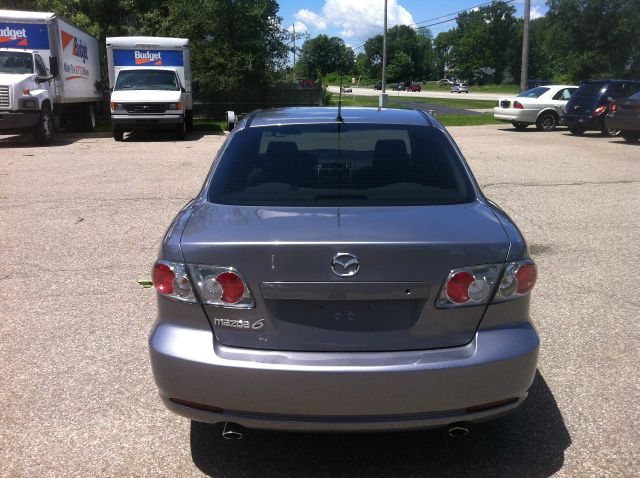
[233, 431]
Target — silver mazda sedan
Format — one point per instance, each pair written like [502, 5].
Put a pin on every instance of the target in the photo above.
[342, 271]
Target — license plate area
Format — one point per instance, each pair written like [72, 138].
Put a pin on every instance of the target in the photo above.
[348, 315]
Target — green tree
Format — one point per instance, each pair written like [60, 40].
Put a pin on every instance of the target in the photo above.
[323, 54]
[400, 67]
[594, 38]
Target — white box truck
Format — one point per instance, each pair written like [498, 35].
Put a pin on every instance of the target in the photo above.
[49, 72]
[150, 82]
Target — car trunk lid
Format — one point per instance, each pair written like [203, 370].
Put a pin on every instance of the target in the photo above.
[404, 256]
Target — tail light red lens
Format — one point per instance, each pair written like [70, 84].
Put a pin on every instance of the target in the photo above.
[171, 280]
[599, 110]
[614, 107]
[517, 105]
[458, 287]
[232, 287]
[163, 278]
[526, 277]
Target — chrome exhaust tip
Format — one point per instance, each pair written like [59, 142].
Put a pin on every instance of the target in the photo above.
[232, 431]
[457, 430]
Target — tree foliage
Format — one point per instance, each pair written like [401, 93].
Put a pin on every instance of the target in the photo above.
[233, 42]
[322, 55]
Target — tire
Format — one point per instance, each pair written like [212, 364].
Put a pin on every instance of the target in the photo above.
[547, 121]
[576, 131]
[610, 131]
[630, 137]
[43, 129]
[189, 120]
[518, 125]
[88, 118]
[118, 134]
[181, 130]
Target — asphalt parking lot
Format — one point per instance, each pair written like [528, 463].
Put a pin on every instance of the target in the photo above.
[82, 220]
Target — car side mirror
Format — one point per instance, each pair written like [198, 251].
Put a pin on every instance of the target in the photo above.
[53, 66]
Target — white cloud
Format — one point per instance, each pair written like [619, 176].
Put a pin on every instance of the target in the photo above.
[535, 12]
[311, 18]
[358, 19]
[300, 27]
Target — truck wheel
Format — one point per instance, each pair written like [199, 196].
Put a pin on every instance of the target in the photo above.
[43, 130]
[88, 118]
[547, 121]
[118, 134]
[181, 130]
[189, 120]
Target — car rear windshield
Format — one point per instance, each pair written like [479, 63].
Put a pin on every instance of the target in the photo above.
[340, 165]
[147, 80]
[591, 89]
[534, 92]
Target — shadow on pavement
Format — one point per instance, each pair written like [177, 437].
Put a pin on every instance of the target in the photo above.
[27, 141]
[160, 136]
[528, 443]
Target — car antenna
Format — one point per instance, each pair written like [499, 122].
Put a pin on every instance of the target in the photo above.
[339, 117]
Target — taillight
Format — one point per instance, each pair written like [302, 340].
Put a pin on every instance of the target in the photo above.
[518, 280]
[222, 286]
[469, 286]
[614, 107]
[171, 280]
[599, 110]
[517, 105]
[476, 285]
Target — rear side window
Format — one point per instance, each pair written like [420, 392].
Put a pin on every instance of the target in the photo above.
[591, 89]
[534, 92]
[340, 165]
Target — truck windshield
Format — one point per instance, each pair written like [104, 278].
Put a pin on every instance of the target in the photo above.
[147, 80]
[16, 62]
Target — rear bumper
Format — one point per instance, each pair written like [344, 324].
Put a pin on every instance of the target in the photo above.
[18, 120]
[135, 122]
[513, 114]
[584, 122]
[319, 391]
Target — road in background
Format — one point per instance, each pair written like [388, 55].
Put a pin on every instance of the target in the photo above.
[82, 220]
[424, 93]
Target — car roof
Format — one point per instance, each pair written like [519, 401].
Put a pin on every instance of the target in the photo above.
[324, 114]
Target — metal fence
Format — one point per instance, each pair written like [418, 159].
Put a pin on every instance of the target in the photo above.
[214, 105]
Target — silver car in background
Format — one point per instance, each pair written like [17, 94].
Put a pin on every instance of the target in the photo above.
[342, 271]
[542, 106]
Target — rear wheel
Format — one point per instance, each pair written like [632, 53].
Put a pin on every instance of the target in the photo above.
[181, 130]
[43, 130]
[118, 134]
[547, 121]
[86, 120]
[630, 137]
[576, 131]
[609, 131]
[519, 125]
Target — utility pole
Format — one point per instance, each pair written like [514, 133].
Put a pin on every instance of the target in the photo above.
[525, 46]
[294, 52]
[383, 95]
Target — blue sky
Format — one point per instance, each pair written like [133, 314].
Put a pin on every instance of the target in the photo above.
[356, 20]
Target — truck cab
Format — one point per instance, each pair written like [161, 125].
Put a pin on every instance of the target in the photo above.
[26, 92]
[150, 82]
[148, 98]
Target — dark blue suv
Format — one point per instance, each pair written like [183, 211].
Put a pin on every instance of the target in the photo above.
[588, 107]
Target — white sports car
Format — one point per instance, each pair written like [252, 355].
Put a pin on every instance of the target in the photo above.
[541, 106]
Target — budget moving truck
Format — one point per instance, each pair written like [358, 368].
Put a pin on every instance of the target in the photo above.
[49, 72]
[150, 82]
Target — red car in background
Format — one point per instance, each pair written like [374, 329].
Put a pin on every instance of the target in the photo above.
[414, 87]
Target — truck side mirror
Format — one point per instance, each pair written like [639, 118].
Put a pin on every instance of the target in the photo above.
[195, 86]
[53, 66]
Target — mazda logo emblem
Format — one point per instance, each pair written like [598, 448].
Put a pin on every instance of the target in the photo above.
[344, 264]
